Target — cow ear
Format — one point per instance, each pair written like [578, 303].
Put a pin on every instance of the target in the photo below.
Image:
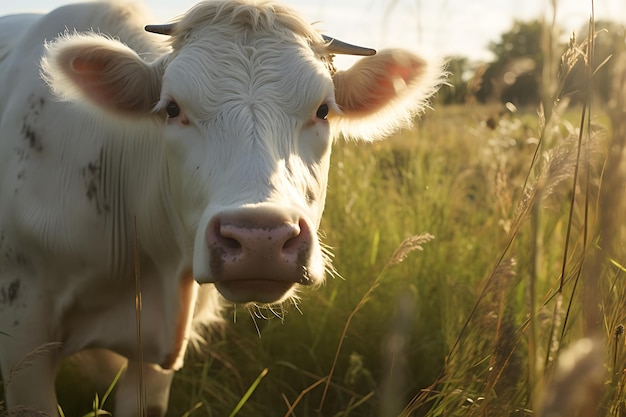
[103, 72]
[381, 93]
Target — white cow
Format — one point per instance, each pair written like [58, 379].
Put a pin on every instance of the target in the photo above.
[132, 161]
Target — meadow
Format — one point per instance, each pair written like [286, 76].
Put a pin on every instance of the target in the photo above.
[474, 278]
[480, 270]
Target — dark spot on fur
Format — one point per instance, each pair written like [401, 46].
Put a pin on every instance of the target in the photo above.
[14, 289]
[310, 196]
[36, 104]
[31, 137]
[92, 191]
[31, 119]
[94, 176]
[8, 295]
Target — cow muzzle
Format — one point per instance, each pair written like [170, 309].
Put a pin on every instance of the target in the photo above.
[258, 253]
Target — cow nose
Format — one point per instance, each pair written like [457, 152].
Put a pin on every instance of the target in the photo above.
[239, 239]
[258, 253]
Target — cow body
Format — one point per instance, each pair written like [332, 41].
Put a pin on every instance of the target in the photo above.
[132, 166]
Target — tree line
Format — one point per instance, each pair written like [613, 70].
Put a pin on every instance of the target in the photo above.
[515, 74]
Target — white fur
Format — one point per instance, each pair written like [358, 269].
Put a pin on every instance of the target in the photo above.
[95, 178]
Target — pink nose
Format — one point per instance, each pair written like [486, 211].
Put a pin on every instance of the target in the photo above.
[258, 253]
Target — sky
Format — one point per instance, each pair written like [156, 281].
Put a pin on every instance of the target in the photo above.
[432, 28]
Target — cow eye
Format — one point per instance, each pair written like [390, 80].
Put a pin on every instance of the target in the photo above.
[322, 112]
[172, 109]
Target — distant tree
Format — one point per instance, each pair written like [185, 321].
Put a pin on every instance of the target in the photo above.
[523, 40]
[515, 73]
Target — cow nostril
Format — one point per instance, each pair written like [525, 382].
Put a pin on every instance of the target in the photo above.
[225, 236]
[230, 243]
[299, 232]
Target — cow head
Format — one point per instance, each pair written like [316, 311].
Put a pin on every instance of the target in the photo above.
[249, 102]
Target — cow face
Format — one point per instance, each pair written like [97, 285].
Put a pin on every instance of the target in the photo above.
[246, 101]
[250, 140]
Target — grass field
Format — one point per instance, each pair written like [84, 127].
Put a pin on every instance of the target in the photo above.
[481, 271]
[478, 320]
[513, 303]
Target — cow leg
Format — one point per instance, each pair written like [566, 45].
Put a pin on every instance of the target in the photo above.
[156, 384]
[102, 365]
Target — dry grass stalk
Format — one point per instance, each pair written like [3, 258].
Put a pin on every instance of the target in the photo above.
[502, 278]
[141, 392]
[560, 166]
[493, 293]
[19, 366]
[409, 245]
[23, 412]
[28, 360]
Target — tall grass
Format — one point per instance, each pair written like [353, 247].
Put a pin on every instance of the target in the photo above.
[481, 273]
[515, 308]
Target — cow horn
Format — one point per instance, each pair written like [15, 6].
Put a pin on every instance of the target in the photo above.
[336, 46]
[166, 29]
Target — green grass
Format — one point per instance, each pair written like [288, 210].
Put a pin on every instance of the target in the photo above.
[527, 259]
